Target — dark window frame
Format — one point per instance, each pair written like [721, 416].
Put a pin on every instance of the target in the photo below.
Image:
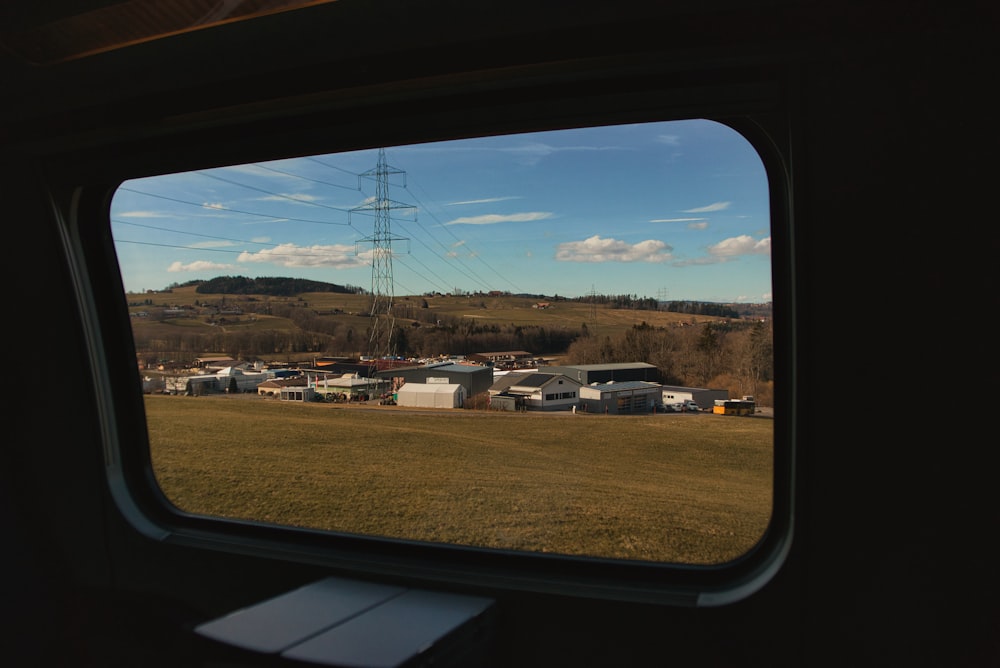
[751, 106]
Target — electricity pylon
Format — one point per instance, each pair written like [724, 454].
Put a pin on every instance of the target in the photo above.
[381, 342]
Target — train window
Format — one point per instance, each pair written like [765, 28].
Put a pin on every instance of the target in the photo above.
[511, 344]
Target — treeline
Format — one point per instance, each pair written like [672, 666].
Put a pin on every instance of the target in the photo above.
[636, 303]
[272, 286]
[316, 334]
[738, 356]
[702, 308]
[633, 302]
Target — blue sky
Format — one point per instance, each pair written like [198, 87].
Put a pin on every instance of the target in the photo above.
[672, 210]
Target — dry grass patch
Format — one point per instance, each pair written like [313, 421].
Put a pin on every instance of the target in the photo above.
[676, 488]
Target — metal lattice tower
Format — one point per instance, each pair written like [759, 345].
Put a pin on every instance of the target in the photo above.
[380, 341]
[593, 311]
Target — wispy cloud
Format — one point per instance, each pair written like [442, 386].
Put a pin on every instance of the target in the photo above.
[596, 249]
[198, 265]
[295, 197]
[143, 214]
[488, 200]
[670, 140]
[717, 206]
[676, 220]
[336, 256]
[494, 218]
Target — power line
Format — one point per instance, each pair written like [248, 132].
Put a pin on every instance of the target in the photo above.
[210, 236]
[457, 239]
[269, 192]
[219, 207]
[304, 178]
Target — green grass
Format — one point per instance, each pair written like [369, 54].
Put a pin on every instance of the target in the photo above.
[674, 488]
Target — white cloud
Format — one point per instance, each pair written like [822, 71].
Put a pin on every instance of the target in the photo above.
[198, 265]
[142, 214]
[212, 244]
[494, 218]
[671, 140]
[741, 245]
[675, 220]
[337, 256]
[596, 249]
[299, 197]
[488, 200]
[717, 206]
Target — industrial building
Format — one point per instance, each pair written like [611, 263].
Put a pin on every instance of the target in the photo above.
[628, 397]
[705, 398]
[588, 374]
[475, 379]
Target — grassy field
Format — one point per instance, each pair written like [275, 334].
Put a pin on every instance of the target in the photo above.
[681, 488]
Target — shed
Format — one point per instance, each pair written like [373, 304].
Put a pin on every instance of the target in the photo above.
[431, 395]
[297, 393]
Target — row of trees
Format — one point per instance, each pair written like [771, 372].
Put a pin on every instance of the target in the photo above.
[738, 356]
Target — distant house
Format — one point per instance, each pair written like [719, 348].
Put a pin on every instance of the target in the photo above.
[536, 391]
[628, 397]
[273, 387]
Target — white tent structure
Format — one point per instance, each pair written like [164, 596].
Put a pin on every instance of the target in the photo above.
[431, 395]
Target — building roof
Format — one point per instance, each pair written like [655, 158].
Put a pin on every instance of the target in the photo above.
[443, 367]
[680, 388]
[539, 379]
[608, 367]
[624, 386]
[430, 388]
[295, 381]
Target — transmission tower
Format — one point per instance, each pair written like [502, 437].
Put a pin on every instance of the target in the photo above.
[593, 311]
[381, 342]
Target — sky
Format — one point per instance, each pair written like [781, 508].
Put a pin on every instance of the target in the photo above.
[674, 210]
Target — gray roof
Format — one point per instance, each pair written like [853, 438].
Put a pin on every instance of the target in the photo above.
[607, 367]
[625, 385]
[446, 367]
[539, 379]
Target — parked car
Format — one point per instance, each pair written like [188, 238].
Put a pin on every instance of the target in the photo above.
[690, 405]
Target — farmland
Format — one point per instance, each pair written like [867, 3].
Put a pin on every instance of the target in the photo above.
[677, 488]
[333, 312]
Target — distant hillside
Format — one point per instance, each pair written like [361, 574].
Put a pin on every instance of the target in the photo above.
[269, 285]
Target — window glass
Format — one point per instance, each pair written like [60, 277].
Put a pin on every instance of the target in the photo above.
[521, 342]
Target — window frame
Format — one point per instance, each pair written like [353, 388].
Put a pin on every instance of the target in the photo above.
[752, 106]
